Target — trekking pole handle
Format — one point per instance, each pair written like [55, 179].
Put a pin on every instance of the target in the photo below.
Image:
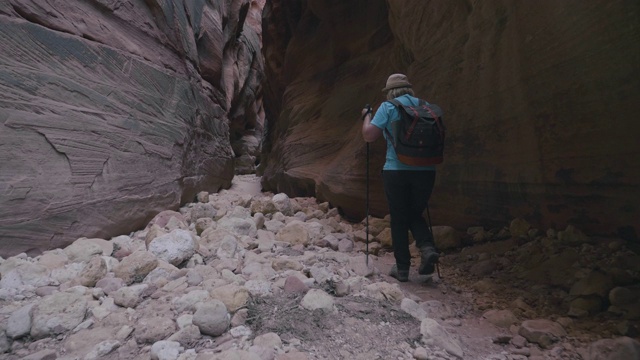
[369, 110]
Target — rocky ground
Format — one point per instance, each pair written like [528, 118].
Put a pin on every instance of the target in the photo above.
[248, 275]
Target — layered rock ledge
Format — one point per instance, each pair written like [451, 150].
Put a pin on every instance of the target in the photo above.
[113, 111]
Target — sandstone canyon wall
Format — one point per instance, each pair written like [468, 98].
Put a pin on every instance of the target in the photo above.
[111, 111]
[541, 103]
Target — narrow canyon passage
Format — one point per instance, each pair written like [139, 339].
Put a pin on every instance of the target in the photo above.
[187, 180]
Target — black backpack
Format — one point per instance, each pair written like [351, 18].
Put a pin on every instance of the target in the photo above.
[418, 137]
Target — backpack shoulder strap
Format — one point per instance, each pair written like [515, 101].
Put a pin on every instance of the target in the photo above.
[395, 102]
[398, 105]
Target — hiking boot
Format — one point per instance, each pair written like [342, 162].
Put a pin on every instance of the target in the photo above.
[400, 275]
[428, 259]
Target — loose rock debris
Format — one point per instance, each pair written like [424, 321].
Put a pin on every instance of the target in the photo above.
[238, 275]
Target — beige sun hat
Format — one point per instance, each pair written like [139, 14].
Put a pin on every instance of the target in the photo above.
[397, 81]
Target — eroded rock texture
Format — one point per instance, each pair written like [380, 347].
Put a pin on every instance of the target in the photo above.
[541, 103]
[111, 111]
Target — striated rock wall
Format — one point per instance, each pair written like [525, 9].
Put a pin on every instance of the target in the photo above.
[111, 111]
[541, 103]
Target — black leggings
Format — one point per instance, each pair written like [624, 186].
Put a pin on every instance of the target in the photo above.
[408, 194]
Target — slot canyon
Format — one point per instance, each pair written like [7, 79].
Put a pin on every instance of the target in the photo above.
[231, 130]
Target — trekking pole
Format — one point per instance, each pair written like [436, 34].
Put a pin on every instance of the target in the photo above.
[368, 107]
[367, 213]
[431, 231]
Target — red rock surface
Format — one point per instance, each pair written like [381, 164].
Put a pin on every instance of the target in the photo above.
[541, 103]
[111, 111]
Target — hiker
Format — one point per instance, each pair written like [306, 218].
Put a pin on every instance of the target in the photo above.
[406, 187]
